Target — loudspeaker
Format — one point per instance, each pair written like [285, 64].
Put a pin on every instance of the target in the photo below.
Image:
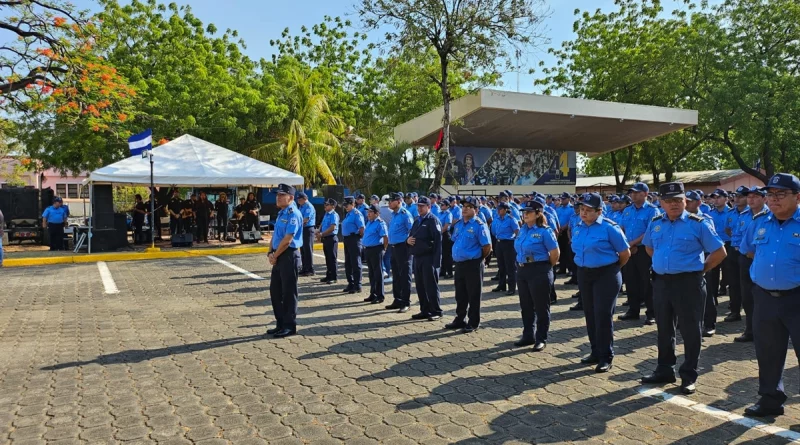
[107, 240]
[103, 207]
[249, 237]
[182, 240]
[334, 191]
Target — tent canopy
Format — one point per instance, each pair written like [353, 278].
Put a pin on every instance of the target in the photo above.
[192, 162]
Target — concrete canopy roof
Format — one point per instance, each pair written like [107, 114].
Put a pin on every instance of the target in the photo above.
[502, 119]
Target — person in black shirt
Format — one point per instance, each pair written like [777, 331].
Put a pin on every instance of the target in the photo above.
[174, 208]
[202, 211]
[139, 210]
[187, 215]
[221, 210]
[253, 208]
[159, 212]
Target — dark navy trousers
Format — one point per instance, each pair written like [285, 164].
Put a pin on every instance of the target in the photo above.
[426, 277]
[330, 247]
[637, 282]
[401, 274]
[469, 287]
[283, 289]
[679, 298]
[352, 260]
[775, 321]
[734, 284]
[746, 285]
[506, 264]
[307, 249]
[535, 281]
[599, 288]
[374, 255]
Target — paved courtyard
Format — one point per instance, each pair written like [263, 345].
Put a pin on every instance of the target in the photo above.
[177, 356]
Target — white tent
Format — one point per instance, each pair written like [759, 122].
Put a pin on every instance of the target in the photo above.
[192, 162]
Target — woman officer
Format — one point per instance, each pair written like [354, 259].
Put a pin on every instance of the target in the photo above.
[601, 250]
[537, 253]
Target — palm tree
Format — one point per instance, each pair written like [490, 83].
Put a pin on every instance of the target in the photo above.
[308, 142]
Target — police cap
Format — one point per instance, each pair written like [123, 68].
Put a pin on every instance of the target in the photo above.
[757, 191]
[330, 202]
[503, 205]
[784, 181]
[286, 189]
[445, 202]
[395, 196]
[672, 190]
[639, 187]
[692, 195]
[360, 196]
[565, 195]
[592, 200]
[424, 200]
[348, 200]
[374, 209]
[374, 198]
[533, 205]
[301, 195]
[719, 192]
[470, 201]
[742, 190]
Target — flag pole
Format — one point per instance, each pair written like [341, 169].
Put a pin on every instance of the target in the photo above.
[152, 206]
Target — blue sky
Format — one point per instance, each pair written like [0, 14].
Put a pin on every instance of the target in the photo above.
[258, 21]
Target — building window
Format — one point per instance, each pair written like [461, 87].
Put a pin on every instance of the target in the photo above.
[85, 192]
[72, 191]
[61, 190]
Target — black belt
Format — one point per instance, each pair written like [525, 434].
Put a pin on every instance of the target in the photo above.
[374, 247]
[329, 237]
[502, 240]
[676, 275]
[601, 268]
[782, 293]
[396, 244]
[467, 261]
[353, 236]
[533, 263]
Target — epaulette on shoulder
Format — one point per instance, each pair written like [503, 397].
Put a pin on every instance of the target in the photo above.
[761, 213]
[656, 218]
[696, 217]
[479, 221]
[610, 221]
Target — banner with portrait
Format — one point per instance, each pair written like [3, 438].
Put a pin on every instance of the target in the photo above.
[510, 166]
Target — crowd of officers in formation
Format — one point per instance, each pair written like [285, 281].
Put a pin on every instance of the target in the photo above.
[673, 250]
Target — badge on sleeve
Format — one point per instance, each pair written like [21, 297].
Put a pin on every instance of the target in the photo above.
[762, 231]
[657, 228]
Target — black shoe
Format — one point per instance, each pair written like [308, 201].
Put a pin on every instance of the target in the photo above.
[553, 301]
[625, 303]
[403, 310]
[577, 307]
[733, 317]
[603, 366]
[576, 295]
[649, 321]
[331, 281]
[524, 342]
[511, 292]
[356, 290]
[307, 274]
[273, 331]
[377, 301]
[348, 290]
[744, 338]
[419, 316]
[658, 378]
[434, 317]
[370, 299]
[539, 347]
[628, 316]
[455, 325]
[709, 332]
[324, 280]
[285, 333]
[688, 388]
[759, 410]
[571, 281]
[590, 360]
[467, 329]
[499, 289]
[494, 279]
[723, 291]
[395, 305]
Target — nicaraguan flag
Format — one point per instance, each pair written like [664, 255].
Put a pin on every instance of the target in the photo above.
[141, 142]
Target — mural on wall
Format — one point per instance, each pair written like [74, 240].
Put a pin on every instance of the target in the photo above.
[509, 166]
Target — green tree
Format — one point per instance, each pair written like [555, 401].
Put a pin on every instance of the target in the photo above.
[307, 140]
[472, 35]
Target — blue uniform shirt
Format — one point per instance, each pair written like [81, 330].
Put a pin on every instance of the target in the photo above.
[374, 233]
[564, 213]
[480, 216]
[436, 210]
[363, 209]
[634, 221]
[705, 208]
[534, 244]
[599, 244]
[352, 221]
[573, 221]
[308, 211]
[722, 220]
[736, 215]
[400, 226]
[412, 209]
[486, 214]
[55, 215]
[552, 217]
[330, 219]
[679, 246]
[469, 238]
[743, 223]
[504, 228]
[445, 218]
[455, 210]
[288, 221]
[776, 249]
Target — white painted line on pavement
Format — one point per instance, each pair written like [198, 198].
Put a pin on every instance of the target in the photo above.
[323, 256]
[108, 281]
[746, 422]
[236, 268]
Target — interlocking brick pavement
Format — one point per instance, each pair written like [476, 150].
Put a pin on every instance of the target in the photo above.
[177, 357]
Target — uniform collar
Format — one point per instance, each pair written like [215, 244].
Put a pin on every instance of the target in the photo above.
[795, 216]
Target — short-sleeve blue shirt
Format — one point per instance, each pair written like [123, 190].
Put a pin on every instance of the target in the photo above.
[534, 243]
[363, 209]
[374, 232]
[56, 215]
[564, 212]
[736, 216]
[679, 246]
[599, 244]
[412, 209]
[289, 221]
[487, 214]
[445, 218]
[744, 221]
[505, 227]
[635, 221]
[308, 211]
[400, 226]
[705, 208]
[469, 238]
[330, 219]
[776, 249]
[436, 210]
[722, 220]
[455, 210]
[352, 221]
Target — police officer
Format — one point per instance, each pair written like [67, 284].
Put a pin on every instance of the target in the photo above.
[361, 206]
[564, 211]
[756, 204]
[329, 229]
[435, 209]
[376, 240]
[537, 253]
[634, 221]
[352, 231]
[446, 218]
[601, 250]
[732, 262]
[722, 215]
[773, 242]
[54, 219]
[506, 228]
[284, 257]
[704, 207]
[309, 215]
[471, 245]
[425, 240]
[399, 228]
[676, 240]
[410, 205]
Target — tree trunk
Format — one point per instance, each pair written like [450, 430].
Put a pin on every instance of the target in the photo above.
[443, 155]
[737, 156]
